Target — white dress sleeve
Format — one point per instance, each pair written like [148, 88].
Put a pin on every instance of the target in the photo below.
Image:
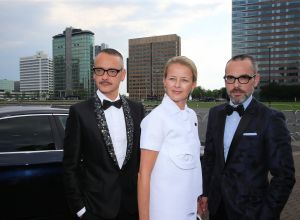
[152, 134]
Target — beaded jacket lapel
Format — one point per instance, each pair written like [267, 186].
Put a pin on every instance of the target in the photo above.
[102, 125]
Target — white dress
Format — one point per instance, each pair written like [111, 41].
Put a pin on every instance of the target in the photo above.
[176, 179]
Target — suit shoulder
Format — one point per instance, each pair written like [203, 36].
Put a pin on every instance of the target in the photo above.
[268, 112]
[217, 108]
[267, 109]
[82, 104]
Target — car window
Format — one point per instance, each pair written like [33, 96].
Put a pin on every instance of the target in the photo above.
[26, 133]
[63, 120]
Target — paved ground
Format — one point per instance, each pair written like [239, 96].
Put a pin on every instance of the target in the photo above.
[291, 210]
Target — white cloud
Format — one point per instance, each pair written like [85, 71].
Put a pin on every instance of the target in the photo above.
[102, 16]
[210, 56]
[203, 26]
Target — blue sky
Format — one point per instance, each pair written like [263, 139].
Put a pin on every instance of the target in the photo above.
[27, 26]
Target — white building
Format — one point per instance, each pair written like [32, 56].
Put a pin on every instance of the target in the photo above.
[36, 75]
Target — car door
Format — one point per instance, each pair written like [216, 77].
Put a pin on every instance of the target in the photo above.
[31, 184]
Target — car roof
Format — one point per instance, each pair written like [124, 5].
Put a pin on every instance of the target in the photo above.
[31, 109]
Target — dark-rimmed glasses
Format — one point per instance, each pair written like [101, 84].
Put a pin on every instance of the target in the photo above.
[111, 72]
[243, 79]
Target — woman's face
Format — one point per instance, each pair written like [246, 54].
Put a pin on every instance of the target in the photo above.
[179, 83]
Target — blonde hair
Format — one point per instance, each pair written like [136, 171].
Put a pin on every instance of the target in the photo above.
[183, 61]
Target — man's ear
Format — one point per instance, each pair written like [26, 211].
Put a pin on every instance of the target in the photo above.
[123, 72]
[256, 79]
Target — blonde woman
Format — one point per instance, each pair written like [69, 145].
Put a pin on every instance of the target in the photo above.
[170, 177]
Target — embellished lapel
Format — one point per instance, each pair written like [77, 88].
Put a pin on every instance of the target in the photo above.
[102, 125]
[246, 118]
[129, 129]
[221, 118]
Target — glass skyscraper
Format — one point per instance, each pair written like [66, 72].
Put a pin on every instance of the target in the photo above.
[270, 31]
[6, 85]
[73, 53]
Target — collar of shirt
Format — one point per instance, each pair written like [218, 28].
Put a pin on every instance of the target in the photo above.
[245, 103]
[171, 106]
[102, 97]
[173, 109]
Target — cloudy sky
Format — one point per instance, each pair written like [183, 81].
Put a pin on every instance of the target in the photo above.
[27, 26]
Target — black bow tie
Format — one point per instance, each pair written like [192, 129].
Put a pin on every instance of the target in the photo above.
[239, 109]
[106, 104]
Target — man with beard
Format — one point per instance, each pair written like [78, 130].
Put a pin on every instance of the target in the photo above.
[245, 141]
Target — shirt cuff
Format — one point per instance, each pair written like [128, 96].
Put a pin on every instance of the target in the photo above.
[81, 212]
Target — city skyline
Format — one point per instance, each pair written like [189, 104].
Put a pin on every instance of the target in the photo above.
[204, 27]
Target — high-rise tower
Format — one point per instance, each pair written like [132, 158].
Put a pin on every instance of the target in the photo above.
[147, 58]
[36, 75]
[270, 31]
[73, 53]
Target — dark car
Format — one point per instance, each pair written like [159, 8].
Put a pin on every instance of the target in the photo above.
[31, 151]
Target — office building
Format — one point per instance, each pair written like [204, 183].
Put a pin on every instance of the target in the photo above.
[145, 66]
[36, 75]
[98, 48]
[17, 86]
[6, 85]
[73, 53]
[270, 31]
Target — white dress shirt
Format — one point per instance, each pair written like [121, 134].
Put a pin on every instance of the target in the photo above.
[117, 128]
[231, 124]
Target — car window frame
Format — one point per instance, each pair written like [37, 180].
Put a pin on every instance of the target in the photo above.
[56, 129]
[17, 158]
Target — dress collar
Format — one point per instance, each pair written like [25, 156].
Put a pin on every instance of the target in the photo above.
[171, 106]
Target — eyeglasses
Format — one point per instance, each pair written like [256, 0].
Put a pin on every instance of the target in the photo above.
[111, 72]
[243, 79]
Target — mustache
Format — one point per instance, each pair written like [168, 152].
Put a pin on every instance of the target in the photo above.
[105, 82]
[237, 90]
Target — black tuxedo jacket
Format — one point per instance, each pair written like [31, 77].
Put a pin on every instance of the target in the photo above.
[92, 176]
[260, 146]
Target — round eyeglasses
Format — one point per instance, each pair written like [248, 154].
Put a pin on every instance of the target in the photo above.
[243, 79]
[111, 72]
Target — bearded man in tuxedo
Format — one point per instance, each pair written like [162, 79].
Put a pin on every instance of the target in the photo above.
[246, 141]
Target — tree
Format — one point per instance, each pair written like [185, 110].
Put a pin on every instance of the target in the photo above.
[7, 94]
[276, 92]
[200, 93]
[197, 93]
[223, 93]
[17, 96]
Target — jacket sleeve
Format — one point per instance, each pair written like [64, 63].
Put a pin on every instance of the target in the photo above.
[71, 161]
[281, 166]
[208, 159]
